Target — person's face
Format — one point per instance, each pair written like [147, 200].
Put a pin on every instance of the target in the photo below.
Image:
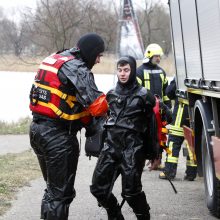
[123, 73]
[98, 58]
[156, 59]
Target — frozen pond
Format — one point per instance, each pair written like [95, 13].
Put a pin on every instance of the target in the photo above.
[15, 88]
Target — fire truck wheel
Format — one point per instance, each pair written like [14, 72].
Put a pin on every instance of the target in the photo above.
[212, 184]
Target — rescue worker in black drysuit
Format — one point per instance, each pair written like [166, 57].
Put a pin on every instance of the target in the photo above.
[176, 138]
[63, 99]
[130, 110]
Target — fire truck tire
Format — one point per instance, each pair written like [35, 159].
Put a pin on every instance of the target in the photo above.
[212, 184]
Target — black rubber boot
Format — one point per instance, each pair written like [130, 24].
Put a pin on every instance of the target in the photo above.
[143, 217]
[139, 205]
[44, 206]
[191, 173]
[112, 207]
[116, 215]
[60, 211]
[170, 171]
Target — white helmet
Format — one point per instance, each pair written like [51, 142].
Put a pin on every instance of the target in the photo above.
[152, 50]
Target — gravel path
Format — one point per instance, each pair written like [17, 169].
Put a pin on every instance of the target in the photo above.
[165, 204]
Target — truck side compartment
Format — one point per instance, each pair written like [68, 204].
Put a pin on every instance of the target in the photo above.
[195, 30]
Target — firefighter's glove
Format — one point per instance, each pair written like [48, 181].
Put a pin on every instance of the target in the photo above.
[166, 113]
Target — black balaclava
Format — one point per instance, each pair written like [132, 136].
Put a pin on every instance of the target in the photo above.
[132, 81]
[90, 45]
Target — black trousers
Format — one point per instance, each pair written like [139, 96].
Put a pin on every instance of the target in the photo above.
[123, 154]
[57, 152]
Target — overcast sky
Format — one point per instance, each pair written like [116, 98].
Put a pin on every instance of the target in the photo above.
[12, 7]
[32, 3]
[17, 3]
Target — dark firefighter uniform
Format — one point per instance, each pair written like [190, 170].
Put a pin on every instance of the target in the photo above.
[176, 138]
[63, 99]
[130, 108]
[153, 78]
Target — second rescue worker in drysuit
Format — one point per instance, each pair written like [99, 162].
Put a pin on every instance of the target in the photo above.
[64, 98]
[130, 109]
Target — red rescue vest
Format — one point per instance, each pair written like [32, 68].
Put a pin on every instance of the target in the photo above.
[47, 94]
[161, 129]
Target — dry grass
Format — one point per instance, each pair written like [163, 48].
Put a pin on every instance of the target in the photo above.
[12, 63]
[107, 66]
[16, 170]
[19, 127]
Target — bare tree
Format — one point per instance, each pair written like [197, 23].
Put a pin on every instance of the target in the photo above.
[102, 19]
[55, 25]
[155, 25]
[11, 37]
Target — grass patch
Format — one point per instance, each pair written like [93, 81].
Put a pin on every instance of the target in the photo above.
[16, 171]
[19, 127]
[24, 64]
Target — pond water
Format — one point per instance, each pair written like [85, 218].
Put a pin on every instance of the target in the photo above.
[15, 88]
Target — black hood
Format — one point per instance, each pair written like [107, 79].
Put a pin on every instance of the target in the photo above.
[132, 81]
[90, 45]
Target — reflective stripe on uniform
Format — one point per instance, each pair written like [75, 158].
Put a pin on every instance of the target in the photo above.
[190, 163]
[162, 80]
[165, 80]
[139, 81]
[174, 130]
[170, 158]
[181, 134]
[179, 115]
[191, 159]
[165, 98]
[156, 71]
[146, 79]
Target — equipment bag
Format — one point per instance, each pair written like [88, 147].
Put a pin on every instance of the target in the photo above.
[94, 143]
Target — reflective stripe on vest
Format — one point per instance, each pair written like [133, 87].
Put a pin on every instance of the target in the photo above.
[61, 114]
[146, 79]
[68, 98]
[162, 82]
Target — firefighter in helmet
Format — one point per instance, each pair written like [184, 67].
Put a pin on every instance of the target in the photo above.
[63, 99]
[151, 76]
[176, 138]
